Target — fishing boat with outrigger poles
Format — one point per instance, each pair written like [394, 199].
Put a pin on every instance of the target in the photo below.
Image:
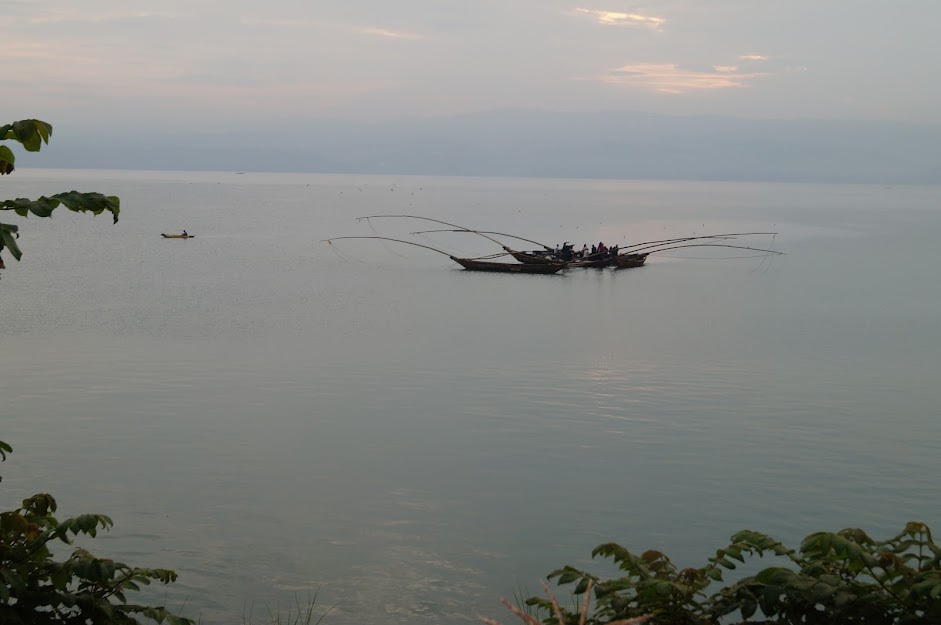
[475, 264]
[595, 261]
[630, 256]
[483, 265]
[545, 256]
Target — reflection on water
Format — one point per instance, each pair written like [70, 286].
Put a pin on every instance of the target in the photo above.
[271, 416]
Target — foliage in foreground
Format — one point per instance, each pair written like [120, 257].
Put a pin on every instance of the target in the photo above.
[841, 577]
[31, 134]
[297, 614]
[37, 589]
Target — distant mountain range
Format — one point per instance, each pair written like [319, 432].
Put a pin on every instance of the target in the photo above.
[618, 145]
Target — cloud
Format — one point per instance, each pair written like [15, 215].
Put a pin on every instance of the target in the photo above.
[617, 18]
[672, 78]
[337, 27]
[41, 58]
[389, 34]
[59, 16]
[753, 57]
[275, 21]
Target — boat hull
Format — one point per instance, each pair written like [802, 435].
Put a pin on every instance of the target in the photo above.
[596, 263]
[482, 265]
[178, 236]
[532, 259]
[626, 261]
[529, 258]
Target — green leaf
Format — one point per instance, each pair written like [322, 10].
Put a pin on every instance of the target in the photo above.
[12, 579]
[749, 607]
[736, 553]
[95, 203]
[775, 575]
[768, 602]
[609, 550]
[7, 240]
[822, 592]
[725, 562]
[42, 207]
[663, 588]
[581, 587]
[32, 133]
[6, 160]
[59, 579]
[935, 591]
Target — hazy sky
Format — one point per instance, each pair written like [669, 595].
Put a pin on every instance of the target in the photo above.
[209, 62]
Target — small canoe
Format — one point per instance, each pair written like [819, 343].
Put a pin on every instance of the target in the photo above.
[178, 236]
[483, 265]
[626, 261]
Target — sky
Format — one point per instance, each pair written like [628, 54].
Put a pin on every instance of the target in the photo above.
[214, 63]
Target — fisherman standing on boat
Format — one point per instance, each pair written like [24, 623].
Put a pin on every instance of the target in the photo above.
[184, 233]
[584, 250]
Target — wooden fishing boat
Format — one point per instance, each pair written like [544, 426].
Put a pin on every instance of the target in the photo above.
[178, 236]
[545, 258]
[626, 261]
[549, 262]
[597, 261]
[483, 265]
[531, 258]
[473, 264]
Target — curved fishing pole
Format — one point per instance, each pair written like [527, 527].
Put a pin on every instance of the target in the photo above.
[486, 232]
[427, 247]
[737, 247]
[466, 230]
[635, 246]
[462, 229]
[475, 264]
[646, 244]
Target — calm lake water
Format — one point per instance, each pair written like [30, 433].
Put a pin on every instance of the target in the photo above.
[271, 415]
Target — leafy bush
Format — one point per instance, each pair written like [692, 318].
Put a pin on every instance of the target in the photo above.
[37, 589]
[31, 134]
[842, 577]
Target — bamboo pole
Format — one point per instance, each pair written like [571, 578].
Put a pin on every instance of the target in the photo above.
[461, 229]
[427, 247]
